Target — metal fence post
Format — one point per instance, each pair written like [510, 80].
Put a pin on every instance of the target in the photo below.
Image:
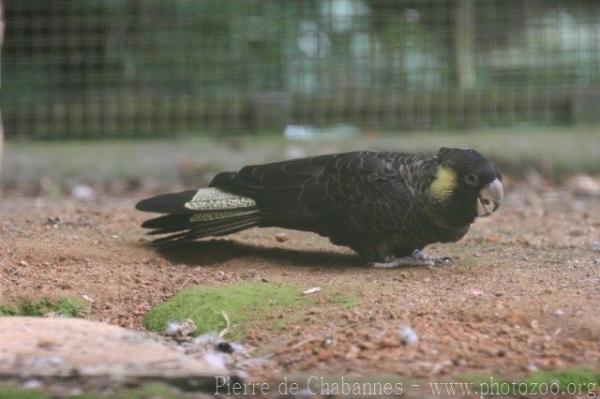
[464, 31]
[1, 41]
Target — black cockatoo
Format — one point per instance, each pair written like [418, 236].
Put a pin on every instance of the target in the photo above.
[386, 206]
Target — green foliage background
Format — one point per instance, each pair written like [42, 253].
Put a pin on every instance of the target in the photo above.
[99, 68]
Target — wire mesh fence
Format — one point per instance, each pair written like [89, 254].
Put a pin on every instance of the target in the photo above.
[115, 68]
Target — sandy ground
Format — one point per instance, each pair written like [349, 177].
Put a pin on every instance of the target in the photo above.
[522, 295]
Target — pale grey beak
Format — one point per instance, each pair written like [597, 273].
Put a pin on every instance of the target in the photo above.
[489, 198]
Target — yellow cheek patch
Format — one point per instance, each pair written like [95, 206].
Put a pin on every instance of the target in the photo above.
[444, 183]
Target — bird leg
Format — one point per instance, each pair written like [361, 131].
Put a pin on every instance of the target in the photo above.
[417, 258]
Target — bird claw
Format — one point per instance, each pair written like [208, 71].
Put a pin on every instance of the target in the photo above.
[417, 258]
[432, 261]
[385, 265]
[443, 260]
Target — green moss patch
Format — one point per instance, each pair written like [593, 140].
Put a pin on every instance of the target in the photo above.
[151, 390]
[243, 303]
[575, 381]
[566, 379]
[17, 393]
[40, 307]
[344, 301]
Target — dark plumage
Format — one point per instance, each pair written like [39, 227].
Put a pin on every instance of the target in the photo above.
[383, 205]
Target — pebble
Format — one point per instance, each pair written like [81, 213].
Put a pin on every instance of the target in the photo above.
[281, 237]
[534, 324]
[83, 192]
[559, 313]
[55, 314]
[32, 384]
[532, 368]
[47, 343]
[388, 343]
[408, 336]
[584, 185]
[225, 347]
[324, 356]
[180, 329]
[221, 276]
[215, 359]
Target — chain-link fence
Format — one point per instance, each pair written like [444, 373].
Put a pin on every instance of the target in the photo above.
[113, 68]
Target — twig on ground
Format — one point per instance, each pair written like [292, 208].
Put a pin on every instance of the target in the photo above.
[303, 342]
[182, 286]
[312, 290]
[227, 326]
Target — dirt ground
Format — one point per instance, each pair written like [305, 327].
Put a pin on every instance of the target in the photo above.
[522, 295]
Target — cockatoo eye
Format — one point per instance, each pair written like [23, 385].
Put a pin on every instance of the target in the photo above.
[471, 179]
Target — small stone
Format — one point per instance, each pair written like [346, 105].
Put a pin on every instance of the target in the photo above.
[53, 220]
[45, 343]
[532, 368]
[388, 343]
[558, 313]
[56, 314]
[180, 329]
[584, 185]
[225, 347]
[596, 246]
[556, 363]
[83, 192]
[408, 336]
[250, 274]
[75, 391]
[366, 345]
[534, 324]
[221, 276]
[32, 384]
[23, 263]
[281, 237]
[504, 330]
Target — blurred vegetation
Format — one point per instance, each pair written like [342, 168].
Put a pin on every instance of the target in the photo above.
[246, 303]
[66, 307]
[55, 168]
[99, 68]
[578, 382]
[261, 305]
[145, 391]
